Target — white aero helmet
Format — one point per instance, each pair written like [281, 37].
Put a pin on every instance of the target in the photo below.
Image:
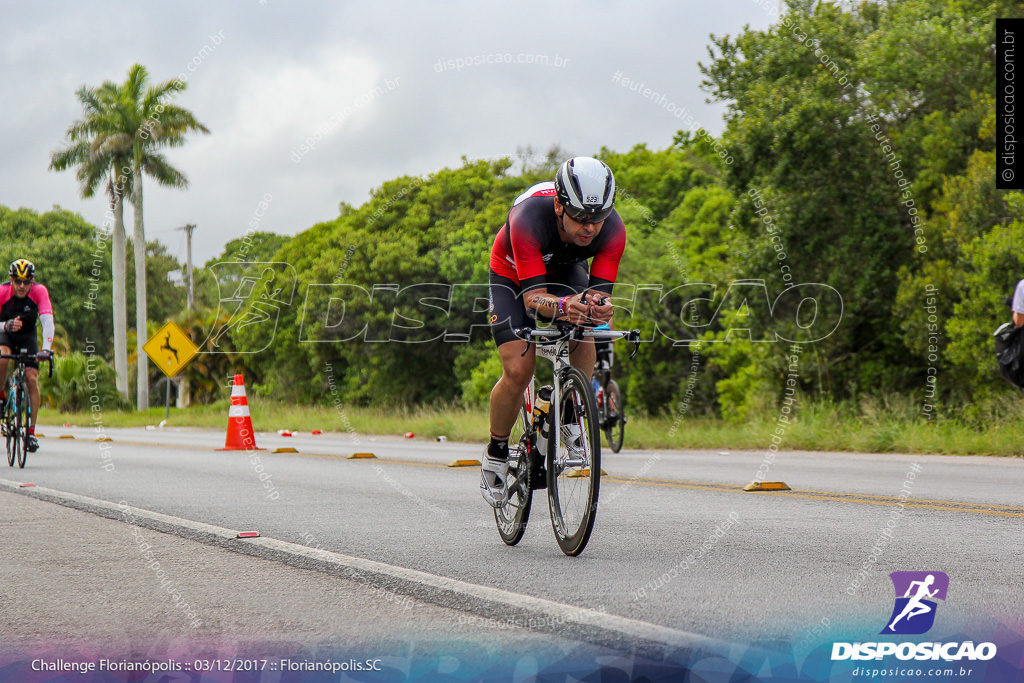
[586, 188]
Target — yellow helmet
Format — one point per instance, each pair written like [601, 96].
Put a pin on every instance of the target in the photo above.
[23, 269]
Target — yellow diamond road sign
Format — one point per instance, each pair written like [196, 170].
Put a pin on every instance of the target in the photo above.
[170, 349]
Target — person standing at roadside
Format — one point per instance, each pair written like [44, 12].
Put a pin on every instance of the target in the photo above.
[1018, 305]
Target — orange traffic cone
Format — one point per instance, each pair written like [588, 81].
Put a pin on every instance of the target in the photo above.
[240, 435]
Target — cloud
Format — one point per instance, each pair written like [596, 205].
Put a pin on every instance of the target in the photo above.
[285, 73]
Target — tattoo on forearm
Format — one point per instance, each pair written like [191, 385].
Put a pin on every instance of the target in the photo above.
[540, 300]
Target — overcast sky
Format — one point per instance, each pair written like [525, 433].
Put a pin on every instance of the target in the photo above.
[381, 89]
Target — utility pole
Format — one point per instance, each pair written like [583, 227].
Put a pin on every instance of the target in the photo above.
[188, 260]
[184, 389]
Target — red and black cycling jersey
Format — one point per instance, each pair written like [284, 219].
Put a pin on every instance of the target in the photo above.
[528, 246]
[28, 308]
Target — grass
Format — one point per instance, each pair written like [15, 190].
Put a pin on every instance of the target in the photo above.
[872, 427]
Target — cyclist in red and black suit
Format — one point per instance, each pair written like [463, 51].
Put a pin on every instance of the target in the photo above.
[22, 302]
[538, 269]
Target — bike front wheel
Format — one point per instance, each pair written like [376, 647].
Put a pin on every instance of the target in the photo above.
[24, 420]
[574, 463]
[615, 416]
[10, 432]
[514, 515]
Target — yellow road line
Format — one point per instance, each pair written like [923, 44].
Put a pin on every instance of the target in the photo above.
[808, 494]
[913, 500]
[864, 499]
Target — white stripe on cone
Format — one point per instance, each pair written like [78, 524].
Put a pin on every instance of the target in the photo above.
[237, 390]
[238, 411]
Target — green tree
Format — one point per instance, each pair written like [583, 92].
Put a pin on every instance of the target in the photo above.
[676, 214]
[806, 158]
[401, 263]
[165, 301]
[72, 260]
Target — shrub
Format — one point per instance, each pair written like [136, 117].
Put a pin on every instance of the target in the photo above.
[79, 382]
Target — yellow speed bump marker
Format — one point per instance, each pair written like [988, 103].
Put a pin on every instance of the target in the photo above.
[464, 463]
[767, 486]
[585, 472]
[287, 449]
[65, 436]
[360, 456]
[103, 438]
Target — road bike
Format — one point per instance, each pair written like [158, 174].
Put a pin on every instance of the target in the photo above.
[555, 443]
[17, 409]
[610, 406]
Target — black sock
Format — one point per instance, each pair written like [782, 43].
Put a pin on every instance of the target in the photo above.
[498, 448]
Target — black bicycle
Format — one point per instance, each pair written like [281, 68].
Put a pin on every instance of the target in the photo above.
[610, 406]
[17, 409]
[555, 443]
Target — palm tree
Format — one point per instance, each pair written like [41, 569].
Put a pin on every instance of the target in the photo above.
[153, 124]
[88, 148]
[146, 122]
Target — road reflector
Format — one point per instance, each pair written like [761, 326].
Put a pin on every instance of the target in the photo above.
[66, 436]
[103, 438]
[248, 534]
[25, 486]
[359, 456]
[288, 449]
[464, 463]
[767, 486]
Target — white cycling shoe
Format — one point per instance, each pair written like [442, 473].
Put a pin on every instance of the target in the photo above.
[571, 434]
[494, 480]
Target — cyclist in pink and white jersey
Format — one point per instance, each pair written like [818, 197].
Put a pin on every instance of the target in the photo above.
[22, 302]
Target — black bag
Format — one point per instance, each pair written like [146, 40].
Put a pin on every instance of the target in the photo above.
[1010, 353]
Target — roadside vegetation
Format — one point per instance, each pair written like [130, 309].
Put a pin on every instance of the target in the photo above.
[856, 171]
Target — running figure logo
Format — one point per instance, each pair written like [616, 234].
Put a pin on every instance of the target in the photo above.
[914, 612]
[259, 291]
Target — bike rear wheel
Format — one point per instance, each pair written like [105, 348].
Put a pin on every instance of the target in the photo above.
[514, 515]
[615, 417]
[574, 469]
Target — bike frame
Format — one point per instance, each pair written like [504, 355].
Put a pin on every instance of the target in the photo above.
[572, 536]
[553, 343]
[17, 375]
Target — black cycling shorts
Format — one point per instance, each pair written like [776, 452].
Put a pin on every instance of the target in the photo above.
[16, 341]
[507, 310]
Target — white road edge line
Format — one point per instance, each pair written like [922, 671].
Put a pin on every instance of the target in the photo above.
[544, 613]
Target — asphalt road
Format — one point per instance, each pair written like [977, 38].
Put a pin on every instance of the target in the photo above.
[402, 549]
